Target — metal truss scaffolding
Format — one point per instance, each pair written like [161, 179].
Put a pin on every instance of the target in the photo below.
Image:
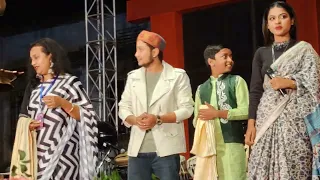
[101, 59]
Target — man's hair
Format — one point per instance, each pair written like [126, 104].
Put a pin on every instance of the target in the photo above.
[160, 55]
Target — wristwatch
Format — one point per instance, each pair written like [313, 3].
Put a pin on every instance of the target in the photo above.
[159, 121]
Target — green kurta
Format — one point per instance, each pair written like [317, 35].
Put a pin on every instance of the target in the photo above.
[231, 157]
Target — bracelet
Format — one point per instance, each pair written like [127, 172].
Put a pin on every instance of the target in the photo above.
[294, 84]
[71, 109]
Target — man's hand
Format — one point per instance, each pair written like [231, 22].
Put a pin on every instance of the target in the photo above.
[208, 114]
[146, 121]
[139, 122]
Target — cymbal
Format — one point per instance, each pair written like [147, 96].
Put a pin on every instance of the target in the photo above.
[6, 78]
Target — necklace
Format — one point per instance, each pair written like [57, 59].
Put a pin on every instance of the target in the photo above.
[279, 46]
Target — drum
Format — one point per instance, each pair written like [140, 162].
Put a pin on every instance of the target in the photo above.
[121, 163]
[121, 160]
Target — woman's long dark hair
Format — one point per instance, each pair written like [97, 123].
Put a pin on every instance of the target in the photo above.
[58, 55]
[268, 36]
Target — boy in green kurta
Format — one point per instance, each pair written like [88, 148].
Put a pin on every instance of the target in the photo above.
[226, 98]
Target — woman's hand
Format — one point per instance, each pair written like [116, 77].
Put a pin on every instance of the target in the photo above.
[57, 101]
[52, 101]
[251, 132]
[34, 125]
[282, 83]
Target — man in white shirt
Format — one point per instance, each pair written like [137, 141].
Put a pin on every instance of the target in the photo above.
[156, 99]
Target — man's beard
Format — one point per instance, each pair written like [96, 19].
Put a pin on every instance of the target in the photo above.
[146, 65]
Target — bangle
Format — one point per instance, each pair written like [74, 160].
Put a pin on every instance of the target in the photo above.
[71, 109]
[294, 84]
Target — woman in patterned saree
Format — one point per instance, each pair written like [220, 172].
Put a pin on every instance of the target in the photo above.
[283, 127]
[66, 122]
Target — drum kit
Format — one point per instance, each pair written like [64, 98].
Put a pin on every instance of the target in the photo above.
[111, 157]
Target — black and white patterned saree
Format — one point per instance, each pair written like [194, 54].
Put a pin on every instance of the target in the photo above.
[66, 147]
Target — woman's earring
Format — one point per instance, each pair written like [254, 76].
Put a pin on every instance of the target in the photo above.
[39, 76]
[50, 71]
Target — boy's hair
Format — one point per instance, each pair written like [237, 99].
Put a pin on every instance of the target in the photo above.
[211, 51]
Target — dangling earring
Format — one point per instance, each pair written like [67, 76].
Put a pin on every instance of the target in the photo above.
[39, 76]
[50, 71]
